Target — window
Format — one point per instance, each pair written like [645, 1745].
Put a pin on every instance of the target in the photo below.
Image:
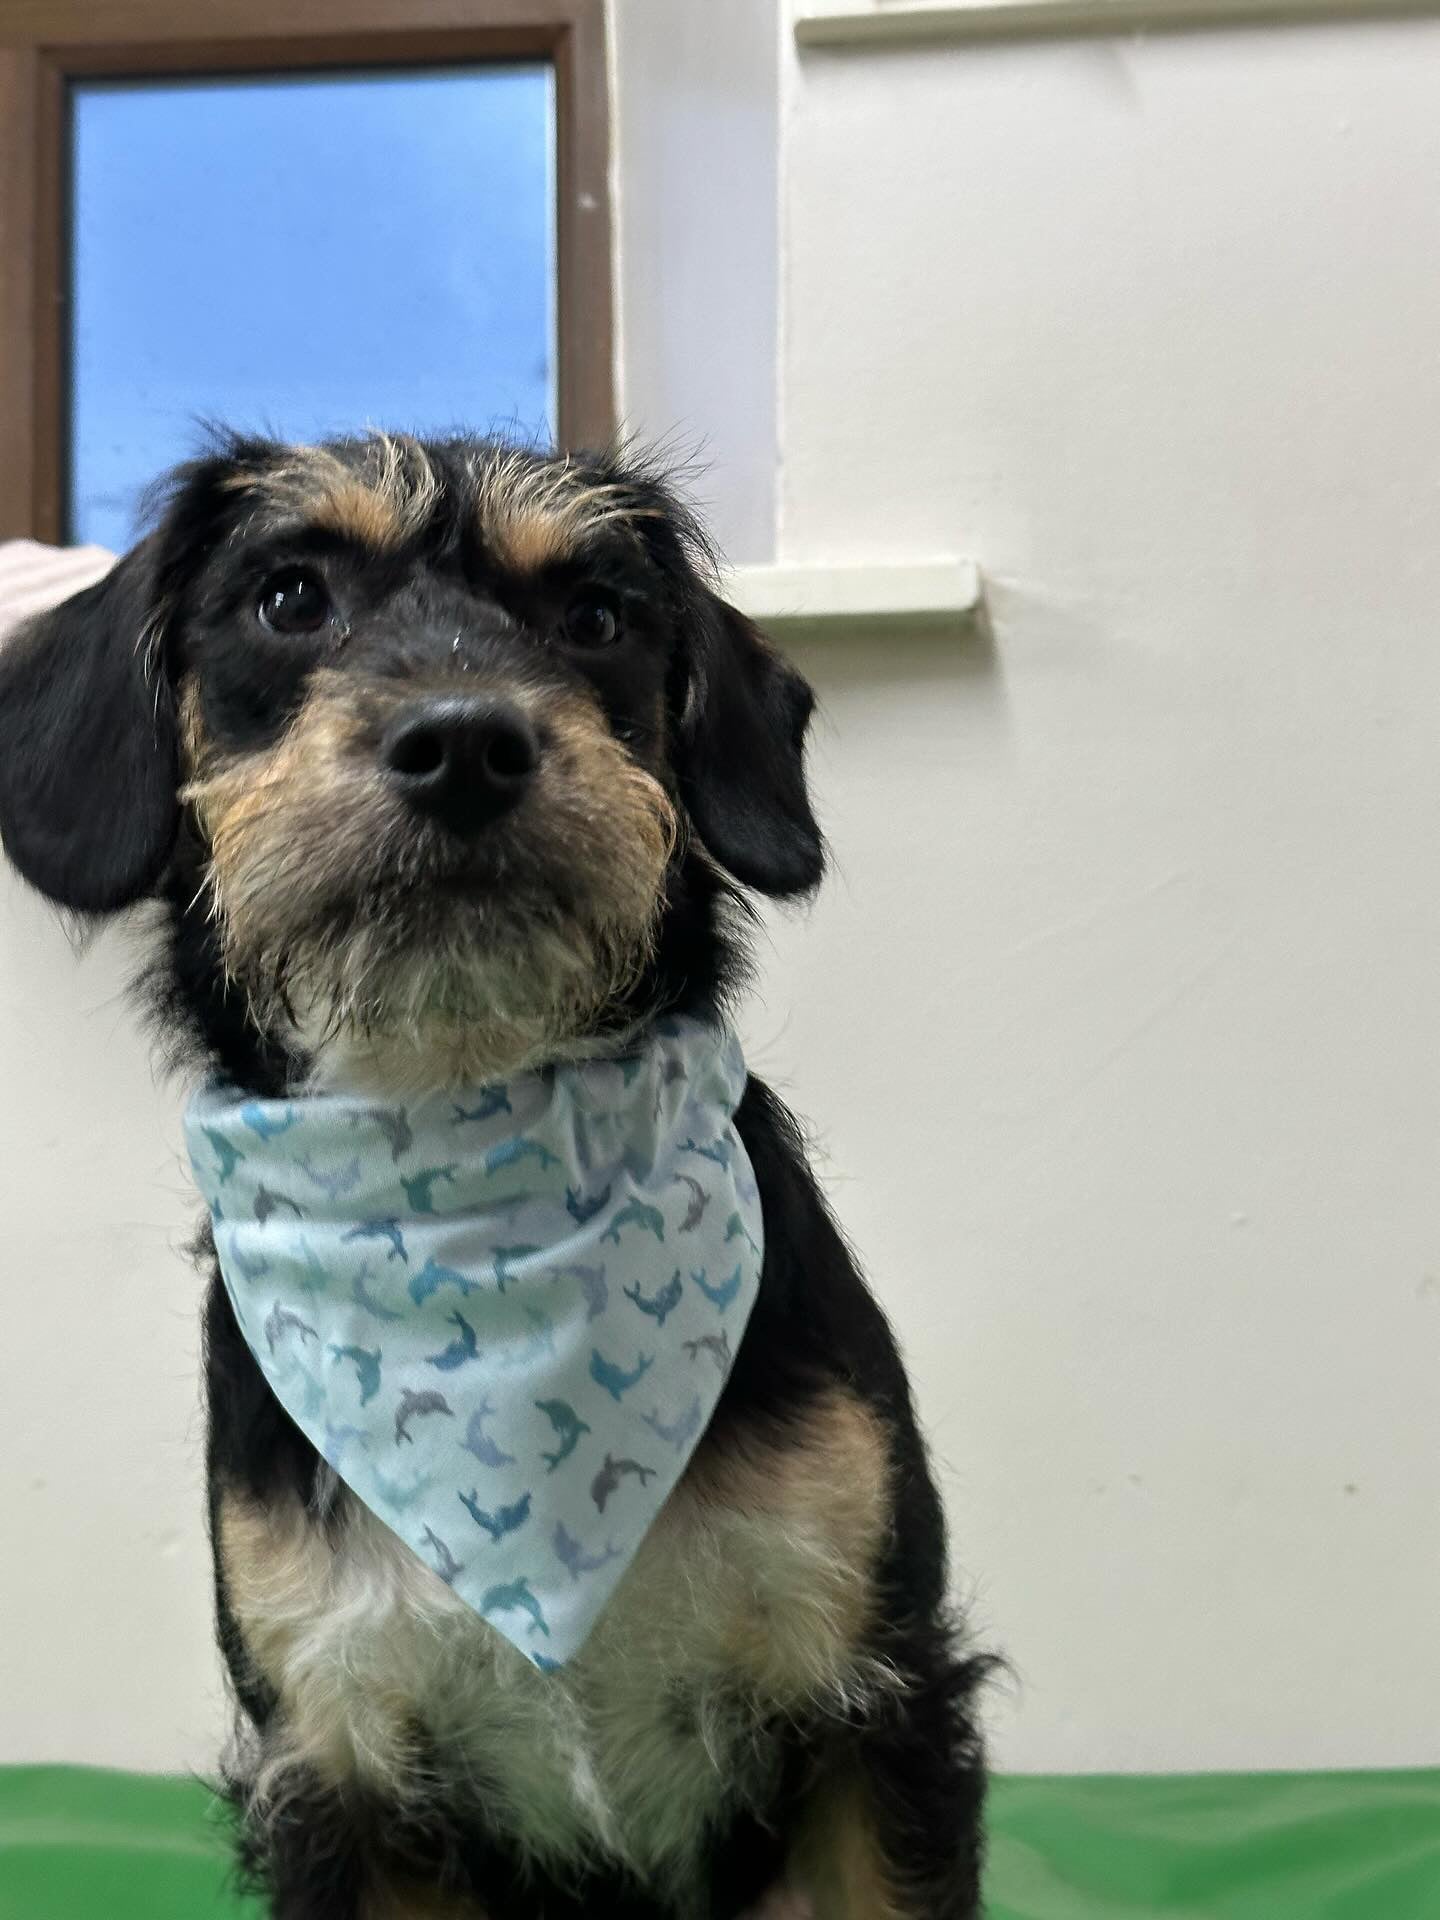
[302, 255]
[398, 224]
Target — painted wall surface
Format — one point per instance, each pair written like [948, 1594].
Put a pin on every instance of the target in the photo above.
[696, 184]
[105, 1650]
[1117, 1021]
[1120, 1023]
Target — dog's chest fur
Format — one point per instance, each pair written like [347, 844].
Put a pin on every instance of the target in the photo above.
[747, 1605]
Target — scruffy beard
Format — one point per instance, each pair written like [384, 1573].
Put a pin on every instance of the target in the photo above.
[359, 945]
[380, 1015]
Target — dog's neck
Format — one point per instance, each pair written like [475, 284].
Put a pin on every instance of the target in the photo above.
[409, 1066]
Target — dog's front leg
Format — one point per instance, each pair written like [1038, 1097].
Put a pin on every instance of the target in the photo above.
[315, 1856]
[782, 1903]
[866, 1852]
[842, 1867]
[401, 1902]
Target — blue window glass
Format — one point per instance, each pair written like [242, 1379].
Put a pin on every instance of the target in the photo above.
[300, 255]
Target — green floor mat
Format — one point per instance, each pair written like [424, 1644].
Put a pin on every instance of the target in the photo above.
[1278, 1846]
[79, 1844]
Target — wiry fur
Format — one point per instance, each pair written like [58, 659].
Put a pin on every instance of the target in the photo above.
[775, 1707]
[311, 872]
[743, 1607]
[534, 514]
[381, 497]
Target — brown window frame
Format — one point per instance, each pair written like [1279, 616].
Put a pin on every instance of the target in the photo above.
[47, 44]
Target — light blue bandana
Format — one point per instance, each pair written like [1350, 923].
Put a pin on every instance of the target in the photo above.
[504, 1318]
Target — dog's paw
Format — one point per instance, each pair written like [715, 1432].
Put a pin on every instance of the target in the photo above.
[782, 1903]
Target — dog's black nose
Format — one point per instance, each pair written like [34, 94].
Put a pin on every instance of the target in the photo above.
[462, 761]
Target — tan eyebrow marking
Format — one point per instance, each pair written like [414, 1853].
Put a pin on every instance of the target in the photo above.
[532, 513]
[378, 503]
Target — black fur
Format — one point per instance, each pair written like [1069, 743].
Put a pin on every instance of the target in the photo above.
[747, 706]
[87, 745]
[88, 813]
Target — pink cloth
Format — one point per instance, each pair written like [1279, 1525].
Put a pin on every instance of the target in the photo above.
[34, 577]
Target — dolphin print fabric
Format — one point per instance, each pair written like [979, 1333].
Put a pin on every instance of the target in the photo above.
[503, 1317]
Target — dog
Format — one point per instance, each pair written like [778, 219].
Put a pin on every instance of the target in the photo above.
[438, 761]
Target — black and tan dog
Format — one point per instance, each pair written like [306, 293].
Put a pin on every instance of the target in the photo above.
[440, 760]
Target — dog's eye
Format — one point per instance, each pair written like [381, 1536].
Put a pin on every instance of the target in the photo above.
[593, 618]
[294, 602]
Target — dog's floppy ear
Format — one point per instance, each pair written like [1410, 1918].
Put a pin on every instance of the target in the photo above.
[741, 763]
[87, 744]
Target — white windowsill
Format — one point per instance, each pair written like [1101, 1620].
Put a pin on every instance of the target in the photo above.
[880, 22]
[783, 599]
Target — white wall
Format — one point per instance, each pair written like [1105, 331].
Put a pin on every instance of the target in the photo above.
[105, 1650]
[1121, 1025]
[695, 174]
[1118, 1020]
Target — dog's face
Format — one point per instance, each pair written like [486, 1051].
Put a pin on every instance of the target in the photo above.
[431, 726]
